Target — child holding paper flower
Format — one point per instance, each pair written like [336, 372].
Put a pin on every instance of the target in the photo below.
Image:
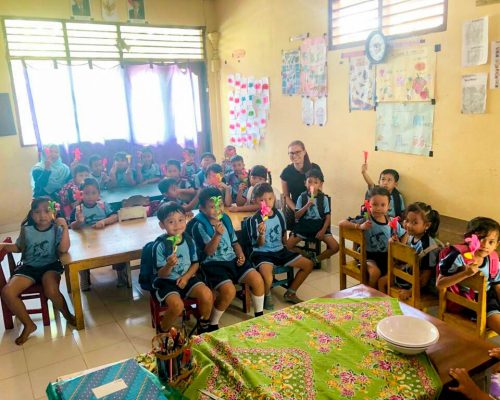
[214, 178]
[121, 173]
[43, 237]
[312, 211]
[476, 255]
[70, 194]
[147, 170]
[237, 179]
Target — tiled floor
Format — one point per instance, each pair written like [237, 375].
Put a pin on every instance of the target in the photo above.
[118, 326]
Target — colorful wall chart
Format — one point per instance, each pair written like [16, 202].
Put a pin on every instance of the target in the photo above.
[405, 127]
[249, 104]
[290, 72]
[409, 75]
[361, 84]
[313, 74]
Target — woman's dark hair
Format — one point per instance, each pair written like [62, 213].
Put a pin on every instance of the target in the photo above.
[428, 214]
[307, 162]
[91, 182]
[379, 191]
[79, 169]
[261, 172]
[165, 184]
[315, 173]
[216, 168]
[168, 208]
[481, 226]
[175, 163]
[207, 193]
[262, 188]
[34, 205]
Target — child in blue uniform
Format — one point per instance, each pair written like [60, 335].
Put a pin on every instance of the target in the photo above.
[237, 179]
[268, 238]
[121, 173]
[147, 170]
[43, 237]
[377, 234]
[98, 171]
[189, 167]
[176, 267]
[170, 191]
[206, 160]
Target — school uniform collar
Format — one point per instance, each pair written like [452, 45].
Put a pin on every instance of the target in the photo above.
[380, 223]
[44, 230]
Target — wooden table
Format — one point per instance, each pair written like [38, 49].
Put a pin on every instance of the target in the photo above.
[115, 196]
[454, 349]
[118, 243]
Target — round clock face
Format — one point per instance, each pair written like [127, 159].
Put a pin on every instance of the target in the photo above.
[376, 47]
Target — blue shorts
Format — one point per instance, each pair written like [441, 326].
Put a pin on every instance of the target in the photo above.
[167, 287]
[281, 258]
[36, 273]
[220, 272]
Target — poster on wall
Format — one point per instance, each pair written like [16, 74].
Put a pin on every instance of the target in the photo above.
[290, 72]
[136, 10]
[405, 128]
[109, 10]
[408, 75]
[486, 2]
[361, 84]
[474, 93]
[495, 65]
[475, 42]
[313, 73]
[320, 111]
[80, 9]
[307, 111]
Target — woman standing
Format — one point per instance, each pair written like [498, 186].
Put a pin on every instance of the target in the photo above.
[49, 174]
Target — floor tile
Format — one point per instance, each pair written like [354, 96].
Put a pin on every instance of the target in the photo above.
[97, 316]
[115, 352]
[12, 364]
[41, 377]
[138, 326]
[50, 352]
[141, 344]
[99, 337]
[16, 388]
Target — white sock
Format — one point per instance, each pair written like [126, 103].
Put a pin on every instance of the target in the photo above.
[258, 303]
[215, 317]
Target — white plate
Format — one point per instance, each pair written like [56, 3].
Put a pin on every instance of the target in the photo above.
[407, 331]
[381, 336]
[406, 350]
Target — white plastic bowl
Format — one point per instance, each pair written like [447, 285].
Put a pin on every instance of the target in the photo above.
[406, 350]
[408, 332]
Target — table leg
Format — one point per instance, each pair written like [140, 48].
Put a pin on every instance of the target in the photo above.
[76, 296]
[68, 282]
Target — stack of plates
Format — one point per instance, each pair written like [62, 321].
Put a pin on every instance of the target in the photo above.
[406, 334]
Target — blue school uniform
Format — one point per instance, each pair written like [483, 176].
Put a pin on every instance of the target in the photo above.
[121, 178]
[93, 214]
[234, 183]
[152, 172]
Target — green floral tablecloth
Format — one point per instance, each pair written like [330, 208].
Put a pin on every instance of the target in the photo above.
[320, 349]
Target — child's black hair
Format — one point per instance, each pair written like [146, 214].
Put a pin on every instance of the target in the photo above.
[168, 208]
[93, 158]
[190, 150]
[79, 169]
[34, 205]
[260, 189]
[216, 168]
[147, 149]
[481, 226]
[165, 184]
[207, 193]
[91, 182]
[236, 158]
[392, 172]
[120, 156]
[428, 214]
[315, 173]
[175, 163]
[379, 191]
[261, 172]
[208, 155]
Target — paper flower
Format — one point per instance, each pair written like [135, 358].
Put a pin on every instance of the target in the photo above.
[311, 191]
[78, 154]
[129, 158]
[46, 150]
[176, 239]
[244, 174]
[215, 180]
[218, 205]
[104, 163]
[365, 155]
[78, 195]
[54, 208]
[394, 225]
[265, 210]
[368, 209]
[101, 204]
[474, 244]
[163, 169]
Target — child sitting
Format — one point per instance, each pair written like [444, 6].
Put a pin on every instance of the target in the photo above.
[229, 152]
[312, 211]
[177, 264]
[455, 267]
[184, 188]
[268, 235]
[168, 188]
[221, 256]
[422, 224]
[69, 193]
[377, 231]
[237, 179]
[98, 171]
[147, 170]
[206, 160]
[189, 167]
[388, 179]
[96, 214]
[213, 178]
[43, 237]
[121, 173]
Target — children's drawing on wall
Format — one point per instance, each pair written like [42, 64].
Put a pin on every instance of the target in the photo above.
[290, 72]
[80, 9]
[405, 127]
[249, 104]
[313, 74]
[320, 111]
[409, 75]
[307, 111]
[474, 93]
[109, 10]
[475, 42]
[495, 65]
[136, 10]
[361, 84]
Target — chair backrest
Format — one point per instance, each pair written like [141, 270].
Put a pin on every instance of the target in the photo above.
[128, 213]
[477, 283]
[357, 252]
[136, 200]
[401, 254]
[3, 253]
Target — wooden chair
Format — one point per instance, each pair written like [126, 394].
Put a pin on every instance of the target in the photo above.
[33, 292]
[476, 282]
[400, 254]
[355, 268]
[157, 311]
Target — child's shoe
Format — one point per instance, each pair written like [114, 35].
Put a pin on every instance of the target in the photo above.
[291, 297]
[268, 302]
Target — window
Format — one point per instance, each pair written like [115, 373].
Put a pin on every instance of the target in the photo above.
[93, 82]
[350, 21]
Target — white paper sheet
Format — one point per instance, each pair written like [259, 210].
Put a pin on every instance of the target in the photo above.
[474, 93]
[320, 111]
[307, 111]
[475, 42]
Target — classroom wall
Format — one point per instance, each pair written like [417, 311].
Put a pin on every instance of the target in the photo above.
[16, 161]
[461, 180]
